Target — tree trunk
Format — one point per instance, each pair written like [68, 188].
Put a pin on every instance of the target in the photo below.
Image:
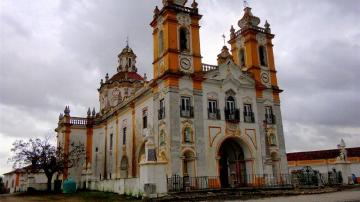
[49, 179]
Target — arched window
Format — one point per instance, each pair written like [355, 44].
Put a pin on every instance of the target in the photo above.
[230, 104]
[262, 56]
[161, 42]
[242, 58]
[188, 135]
[184, 39]
[129, 62]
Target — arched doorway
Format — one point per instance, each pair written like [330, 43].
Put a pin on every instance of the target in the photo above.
[232, 165]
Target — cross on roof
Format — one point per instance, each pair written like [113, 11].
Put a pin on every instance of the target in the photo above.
[246, 4]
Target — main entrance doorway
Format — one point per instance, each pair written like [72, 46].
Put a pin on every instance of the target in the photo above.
[232, 166]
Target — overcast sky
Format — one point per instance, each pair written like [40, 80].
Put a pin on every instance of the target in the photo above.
[54, 53]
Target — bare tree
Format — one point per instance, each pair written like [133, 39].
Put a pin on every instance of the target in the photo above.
[41, 155]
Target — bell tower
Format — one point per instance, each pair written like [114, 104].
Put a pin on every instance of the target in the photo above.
[176, 38]
[252, 49]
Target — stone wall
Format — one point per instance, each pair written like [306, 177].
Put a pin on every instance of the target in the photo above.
[130, 186]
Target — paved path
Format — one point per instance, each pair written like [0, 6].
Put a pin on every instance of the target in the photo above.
[352, 195]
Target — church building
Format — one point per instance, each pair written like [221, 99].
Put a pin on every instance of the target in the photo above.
[192, 119]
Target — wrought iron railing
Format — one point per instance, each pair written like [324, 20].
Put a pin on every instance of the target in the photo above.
[214, 115]
[249, 117]
[270, 118]
[207, 67]
[232, 115]
[309, 177]
[187, 112]
[178, 183]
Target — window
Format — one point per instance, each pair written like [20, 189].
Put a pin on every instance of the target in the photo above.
[247, 109]
[161, 42]
[268, 110]
[185, 103]
[111, 142]
[124, 136]
[242, 57]
[248, 114]
[162, 109]
[230, 104]
[129, 62]
[186, 110]
[269, 116]
[262, 56]
[184, 39]
[212, 106]
[96, 149]
[213, 112]
[232, 114]
[145, 112]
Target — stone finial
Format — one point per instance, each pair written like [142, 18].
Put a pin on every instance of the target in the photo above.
[156, 12]
[232, 32]
[145, 77]
[342, 143]
[267, 27]
[89, 112]
[194, 5]
[107, 77]
[61, 116]
[67, 111]
[93, 112]
[101, 82]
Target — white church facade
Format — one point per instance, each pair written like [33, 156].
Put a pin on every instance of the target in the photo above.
[191, 120]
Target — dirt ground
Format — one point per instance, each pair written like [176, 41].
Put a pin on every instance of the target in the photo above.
[348, 195]
[78, 197]
[351, 195]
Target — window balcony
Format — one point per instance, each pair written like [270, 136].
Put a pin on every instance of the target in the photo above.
[187, 112]
[232, 115]
[214, 115]
[161, 114]
[249, 117]
[270, 119]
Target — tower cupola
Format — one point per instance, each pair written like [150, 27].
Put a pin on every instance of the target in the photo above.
[248, 20]
[127, 60]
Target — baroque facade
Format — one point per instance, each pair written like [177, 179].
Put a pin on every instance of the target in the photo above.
[192, 119]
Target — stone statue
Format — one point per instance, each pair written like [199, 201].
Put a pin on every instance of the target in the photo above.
[342, 149]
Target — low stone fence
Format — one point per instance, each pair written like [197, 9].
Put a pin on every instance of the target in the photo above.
[130, 186]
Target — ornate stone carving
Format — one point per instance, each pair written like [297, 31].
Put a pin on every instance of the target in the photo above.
[184, 19]
[261, 38]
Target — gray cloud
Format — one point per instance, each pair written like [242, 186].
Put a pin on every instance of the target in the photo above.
[56, 52]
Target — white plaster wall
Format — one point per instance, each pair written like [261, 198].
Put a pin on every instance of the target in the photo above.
[77, 136]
